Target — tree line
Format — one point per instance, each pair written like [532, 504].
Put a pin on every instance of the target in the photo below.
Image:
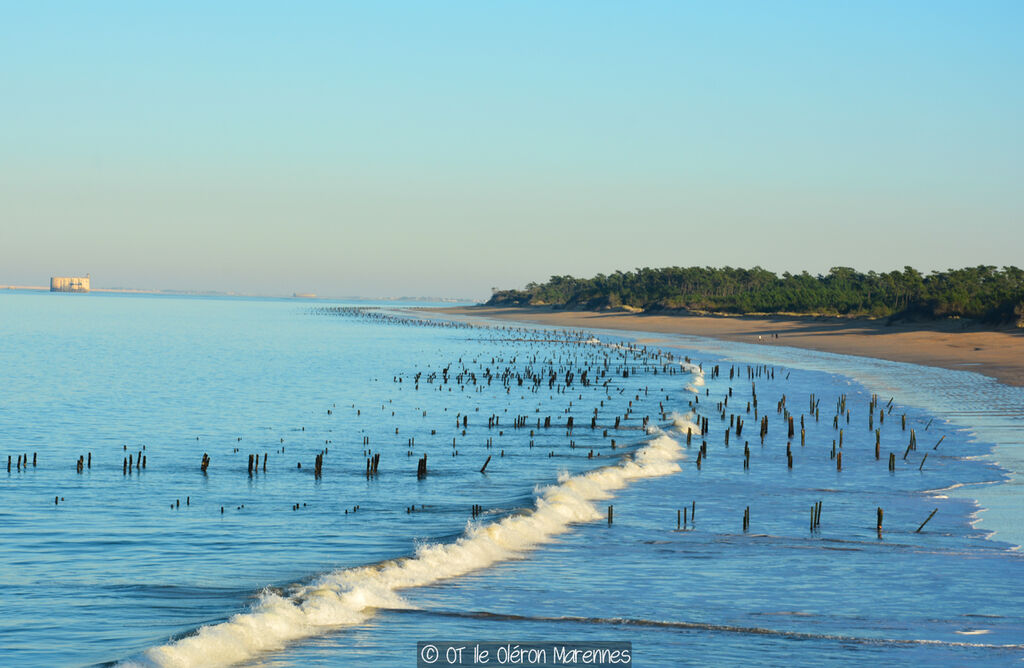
[987, 293]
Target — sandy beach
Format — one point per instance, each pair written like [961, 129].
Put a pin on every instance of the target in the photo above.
[998, 353]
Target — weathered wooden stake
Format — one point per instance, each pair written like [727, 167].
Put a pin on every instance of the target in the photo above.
[926, 521]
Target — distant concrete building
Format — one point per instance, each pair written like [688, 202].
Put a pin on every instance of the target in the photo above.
[69, 283]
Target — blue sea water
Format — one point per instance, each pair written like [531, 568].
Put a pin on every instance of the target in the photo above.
[169, 565]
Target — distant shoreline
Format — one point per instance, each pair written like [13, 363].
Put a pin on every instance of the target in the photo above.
[951, 344]
[131, 291]
[193, 293]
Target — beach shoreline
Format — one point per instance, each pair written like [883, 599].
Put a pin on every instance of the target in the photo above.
[994, 352]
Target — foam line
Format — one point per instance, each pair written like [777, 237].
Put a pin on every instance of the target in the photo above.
[698, 376]
[351, 596]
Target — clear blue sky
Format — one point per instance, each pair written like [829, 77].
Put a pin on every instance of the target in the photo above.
[442, 148]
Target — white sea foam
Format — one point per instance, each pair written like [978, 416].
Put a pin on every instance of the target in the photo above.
[349, 597]
[698, 376]
[682, 422]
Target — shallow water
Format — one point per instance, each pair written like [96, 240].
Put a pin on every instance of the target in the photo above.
[114, 573]
[987, 410]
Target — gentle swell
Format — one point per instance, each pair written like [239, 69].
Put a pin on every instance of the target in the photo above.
[349, 597]
[720, 628]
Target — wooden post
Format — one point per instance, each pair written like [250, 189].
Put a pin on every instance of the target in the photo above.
[926, 521]
[879, 516]
[484, 467]
[611, 513]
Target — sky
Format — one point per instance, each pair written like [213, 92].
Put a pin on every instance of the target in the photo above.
[447, 148]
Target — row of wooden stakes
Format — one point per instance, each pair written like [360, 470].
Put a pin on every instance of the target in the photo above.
[682, 520]
[21, 459]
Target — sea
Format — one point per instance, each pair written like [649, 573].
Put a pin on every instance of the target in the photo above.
[228, 481]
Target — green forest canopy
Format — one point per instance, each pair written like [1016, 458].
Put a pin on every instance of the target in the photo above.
[984, 292]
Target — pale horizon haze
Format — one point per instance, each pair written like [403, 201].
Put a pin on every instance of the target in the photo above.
[442, 149]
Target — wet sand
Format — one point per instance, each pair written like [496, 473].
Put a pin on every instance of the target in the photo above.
[998, 353]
